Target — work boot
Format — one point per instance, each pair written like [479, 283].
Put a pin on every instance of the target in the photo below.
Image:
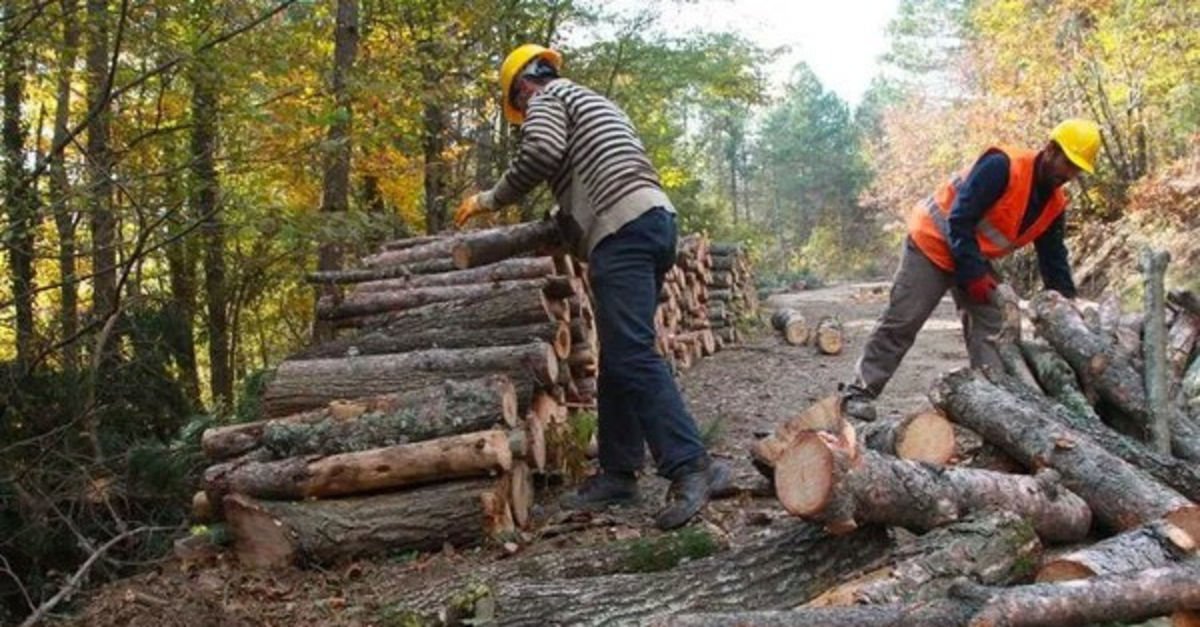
[690, 490]
[602, 490]
[858, 403]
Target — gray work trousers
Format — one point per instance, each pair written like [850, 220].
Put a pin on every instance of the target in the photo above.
[917, 288]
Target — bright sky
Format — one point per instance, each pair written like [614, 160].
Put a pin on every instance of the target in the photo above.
[841, 40]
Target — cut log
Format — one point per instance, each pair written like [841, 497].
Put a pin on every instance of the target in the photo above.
[556, 333]
[1154, 348]
[829, 337]
[507, 270]
[1151, 546]
[445, 408]
[409, 242]
[1056, 377]
[1120, 495]
[452, 457]
[941, 613]
[437, 249]
[303, 385]
[273, 534]
[823, 415]
[478, 249]
[364, 275]
[519, 482]
[1181, 342]
[925, 436]
[202, 509]
[370, 303]
[995, 549]
[822, 479]
[793, 326]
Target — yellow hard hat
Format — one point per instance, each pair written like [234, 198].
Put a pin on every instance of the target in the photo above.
[511, 68]
[1080, 141]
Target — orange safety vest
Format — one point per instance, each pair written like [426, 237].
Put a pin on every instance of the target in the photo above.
[998, 233]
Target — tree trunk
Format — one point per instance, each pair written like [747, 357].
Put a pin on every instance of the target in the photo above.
[824, 479]
[273, 534]
[19, 189]
[507, 270]
[362, 275]
[60, 188]
[492, 246]
[439, 410]
[303, 385]
[100, 163]
[556, 334]
[1154, 349]
[1120, 495]
[297, 478]
[357, 306]
[998, 548]
[793, 326]
[829, 337]
[335, 193]
[1151, 546]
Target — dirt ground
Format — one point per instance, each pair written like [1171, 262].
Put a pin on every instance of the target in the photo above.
[746, 388]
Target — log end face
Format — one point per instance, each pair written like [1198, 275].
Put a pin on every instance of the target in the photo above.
[562, 340]
[461, 256]
[1186, 521]
[804, 475]
[927, 437]
[507, 392]
[259, 539]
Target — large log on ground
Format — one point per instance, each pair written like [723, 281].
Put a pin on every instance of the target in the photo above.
[824, 479]
[1151, 546]
[446, 408]
[793, 326]
[271, 534]
[1120, 495]
[359, 305]
[313, 476]
[478, 249]
[779, 568]
[507, 270]
[1182, 475]
[995, 549]
[302, 385]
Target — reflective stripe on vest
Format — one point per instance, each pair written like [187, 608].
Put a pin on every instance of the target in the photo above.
[985, 227]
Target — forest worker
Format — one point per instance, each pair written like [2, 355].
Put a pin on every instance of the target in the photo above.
[1007, 199]
[613, 212]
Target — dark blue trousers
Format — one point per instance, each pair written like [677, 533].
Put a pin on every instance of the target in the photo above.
[638, 400]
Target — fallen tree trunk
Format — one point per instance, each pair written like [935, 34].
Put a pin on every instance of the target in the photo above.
[507, 270]
[793, 326]
[478, 249]
[442, 409]
[363, 275]
[296, 478]
[999, 548]
[369, 303]
[1120, 495]
[1151, 546]
[823, 479]
[302, 385]
[272, 534]
[556, 333]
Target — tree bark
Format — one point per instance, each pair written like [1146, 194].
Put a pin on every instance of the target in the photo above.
[303, 385]
[1120, 495]
[410, 242]
[273, 534]
[491, 246]
[362, 305]
[60, 187]
[335, 193]
[824, 479]
[1181, 341]
[1150, 546]
[996, 549]
[363, 275]
[1154, 348]
[793, 326]
[100, 163]
[440, 410]
[19, 190]
[380, 342]
[506, 270]
[297, 478]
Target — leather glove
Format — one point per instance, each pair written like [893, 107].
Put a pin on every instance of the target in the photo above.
[468, 209]
[979, 289]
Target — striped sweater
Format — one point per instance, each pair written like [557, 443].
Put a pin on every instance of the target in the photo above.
[586, 149]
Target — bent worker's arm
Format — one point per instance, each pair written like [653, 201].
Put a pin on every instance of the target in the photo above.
[1053, 261]
[985, 184]
[541, 153]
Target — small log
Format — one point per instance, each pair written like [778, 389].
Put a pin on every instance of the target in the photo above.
[823, 479]
[1120, 495]
[452, 457]
[925, 436]
[1154, 348]
[507, 270]
[446, 408]
[556, 333]
[274, 534]
[365, 275]
[478, 249]
[793, 326]
[1151, 546]
[303, 385]
[999, 545]
[361, 305]
[829, 337]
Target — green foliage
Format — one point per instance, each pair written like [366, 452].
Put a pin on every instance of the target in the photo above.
[651, 555]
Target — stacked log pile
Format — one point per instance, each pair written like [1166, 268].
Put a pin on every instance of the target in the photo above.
[1097, 413]
[456, 361]
[732, 295]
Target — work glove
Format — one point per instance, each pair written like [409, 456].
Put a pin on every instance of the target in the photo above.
[472, 206]
[979, 289]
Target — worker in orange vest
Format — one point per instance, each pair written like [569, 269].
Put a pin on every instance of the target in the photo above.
[1007, 199]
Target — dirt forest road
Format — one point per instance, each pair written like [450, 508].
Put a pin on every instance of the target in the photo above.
[747, 388]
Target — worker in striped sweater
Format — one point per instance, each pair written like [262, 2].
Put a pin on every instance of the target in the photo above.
[613, 212]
